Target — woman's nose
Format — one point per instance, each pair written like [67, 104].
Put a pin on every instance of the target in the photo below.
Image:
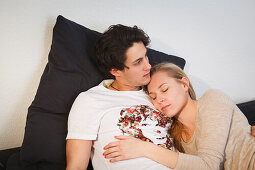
[160, 100]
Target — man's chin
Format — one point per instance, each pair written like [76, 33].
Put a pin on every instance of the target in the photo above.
[146, 81]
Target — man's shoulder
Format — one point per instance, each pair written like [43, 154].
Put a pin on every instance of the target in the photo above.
[91, 92]
[98, 88]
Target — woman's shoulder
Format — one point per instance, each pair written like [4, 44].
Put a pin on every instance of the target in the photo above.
[215, 105]
[214, 93]
[215, 96]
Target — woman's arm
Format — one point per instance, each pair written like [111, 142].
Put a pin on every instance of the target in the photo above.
[210, 146]
[212, 131]
[129, 147]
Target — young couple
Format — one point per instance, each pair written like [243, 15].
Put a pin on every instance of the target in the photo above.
[118, 121]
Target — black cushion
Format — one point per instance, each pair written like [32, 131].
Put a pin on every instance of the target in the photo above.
[71, 69]
[14, 162]
[248, 108]
[156, 57]
[4, 156]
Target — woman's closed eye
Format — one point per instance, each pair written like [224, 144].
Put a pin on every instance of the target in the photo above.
[152, 96]
[165, 89]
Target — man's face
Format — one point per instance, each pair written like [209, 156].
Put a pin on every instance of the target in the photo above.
[137, 70]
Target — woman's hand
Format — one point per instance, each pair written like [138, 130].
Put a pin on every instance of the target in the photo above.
[253, 131]
[126, 148]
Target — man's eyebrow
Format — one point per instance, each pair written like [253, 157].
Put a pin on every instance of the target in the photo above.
[146, 52]
[137, 60]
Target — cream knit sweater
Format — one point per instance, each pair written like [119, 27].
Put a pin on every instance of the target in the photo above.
[222, 137]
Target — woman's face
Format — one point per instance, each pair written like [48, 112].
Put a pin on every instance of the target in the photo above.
[168, 94]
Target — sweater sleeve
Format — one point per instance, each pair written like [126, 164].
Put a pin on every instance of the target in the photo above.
[215, 114]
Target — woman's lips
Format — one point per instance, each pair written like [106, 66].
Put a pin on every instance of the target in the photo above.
[165, 107]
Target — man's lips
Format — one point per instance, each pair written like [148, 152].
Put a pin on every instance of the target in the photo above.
[147, 75]
[165, 107]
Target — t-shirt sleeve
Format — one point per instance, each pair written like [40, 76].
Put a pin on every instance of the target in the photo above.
[83, 120]
[216, 113]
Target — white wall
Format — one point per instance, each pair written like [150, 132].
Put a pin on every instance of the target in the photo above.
[215, 37]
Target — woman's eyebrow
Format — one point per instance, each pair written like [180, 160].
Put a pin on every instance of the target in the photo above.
[158, 87]
[161, 85]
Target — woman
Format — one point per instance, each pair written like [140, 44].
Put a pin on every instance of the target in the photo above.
[210, 133]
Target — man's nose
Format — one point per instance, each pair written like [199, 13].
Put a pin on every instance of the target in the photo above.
[147, 65]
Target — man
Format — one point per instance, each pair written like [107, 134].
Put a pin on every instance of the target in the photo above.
[101, 113]
[116, 107]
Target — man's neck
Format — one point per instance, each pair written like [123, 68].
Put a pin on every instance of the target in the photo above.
[118, 86]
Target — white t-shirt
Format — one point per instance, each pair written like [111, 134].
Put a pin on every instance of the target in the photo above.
[99, 114]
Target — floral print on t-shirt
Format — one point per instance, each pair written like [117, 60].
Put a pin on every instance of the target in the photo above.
[147, 124]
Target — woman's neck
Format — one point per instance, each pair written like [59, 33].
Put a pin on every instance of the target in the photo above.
[188, 115]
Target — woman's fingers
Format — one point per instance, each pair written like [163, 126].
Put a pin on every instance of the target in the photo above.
[253, 131]
[112, 144]
[122, 137]
[110, 151]
[112, 155]
[116, 159]
[127, 147]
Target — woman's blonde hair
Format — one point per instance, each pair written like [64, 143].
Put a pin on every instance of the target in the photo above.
[177, 128]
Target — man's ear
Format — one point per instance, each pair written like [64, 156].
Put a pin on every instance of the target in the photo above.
[115, 72]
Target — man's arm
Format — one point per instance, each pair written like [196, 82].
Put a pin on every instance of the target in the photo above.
[78, 154]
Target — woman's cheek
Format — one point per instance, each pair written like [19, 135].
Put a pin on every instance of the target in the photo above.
[156, 105]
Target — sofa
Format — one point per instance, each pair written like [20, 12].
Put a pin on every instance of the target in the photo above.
[71, 69]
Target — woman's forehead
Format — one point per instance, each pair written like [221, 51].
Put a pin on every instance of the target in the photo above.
[159, 78]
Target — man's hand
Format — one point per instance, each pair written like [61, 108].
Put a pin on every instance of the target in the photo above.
[253, 131]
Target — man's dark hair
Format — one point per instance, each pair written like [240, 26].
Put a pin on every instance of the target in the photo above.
[112, 45]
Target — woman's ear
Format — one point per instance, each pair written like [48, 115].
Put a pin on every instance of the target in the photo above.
[115, 72]
[185, 82]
